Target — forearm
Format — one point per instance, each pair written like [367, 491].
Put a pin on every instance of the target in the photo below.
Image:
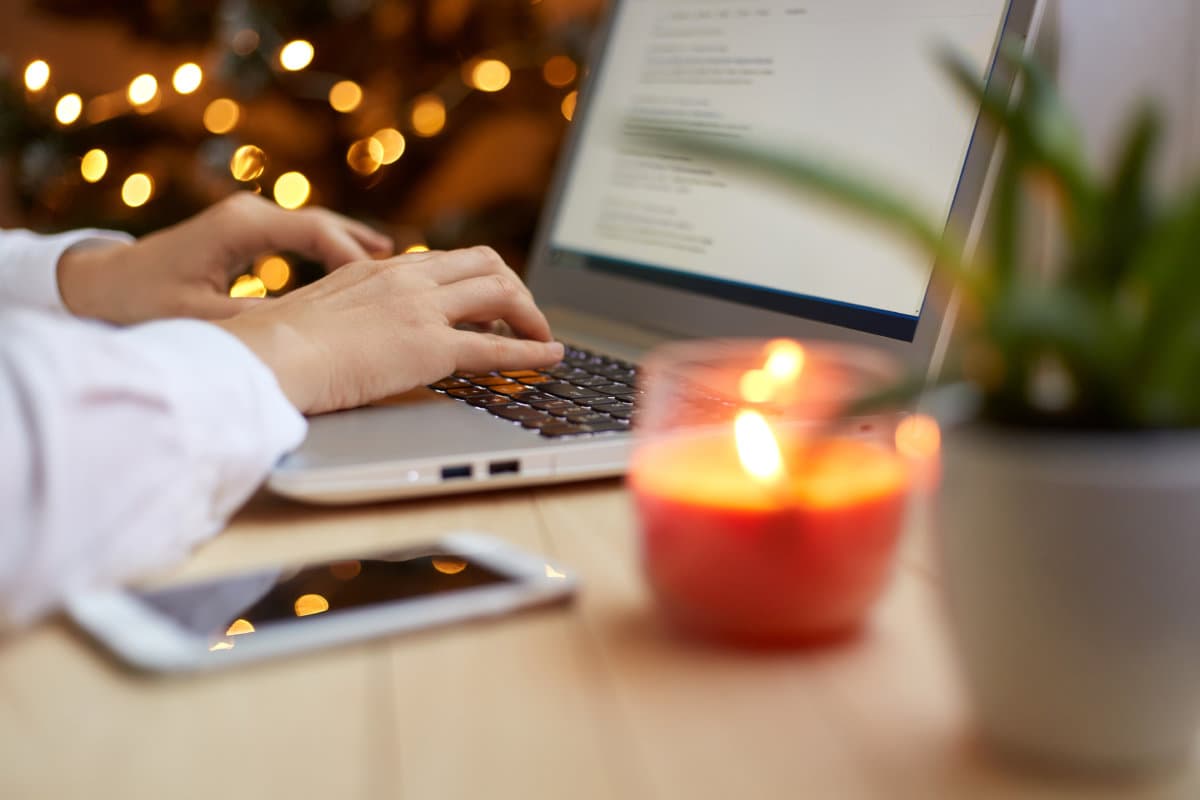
[123, 449]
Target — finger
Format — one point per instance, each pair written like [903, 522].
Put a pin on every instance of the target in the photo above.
[494, 297]
[379, 245]
[253, 226]
[458, 265]
[484, 352]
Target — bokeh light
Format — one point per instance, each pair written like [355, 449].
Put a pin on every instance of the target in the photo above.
[393, 144]
[221, 115]
[248, 162]
[365, 156]
[274, 271]
[37, 75]
[449, 566]
[137, 190]
[142, 89]
[417, 248]
[568, 105]
[490, 75]
[239, 627]
[428, 115]
[559, 71]
[245, 41]
[93, 165]
[308, 604]
[187, 78]
[292, 190]
[296, 55]
[248, 286]
[68, 108]
[345, 96]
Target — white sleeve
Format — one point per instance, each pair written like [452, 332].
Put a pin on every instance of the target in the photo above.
[29, 265]
[121, 449]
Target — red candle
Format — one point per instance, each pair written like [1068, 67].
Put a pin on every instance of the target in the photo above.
[793, 548]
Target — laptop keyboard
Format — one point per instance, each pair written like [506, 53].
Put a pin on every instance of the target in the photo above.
[585, 394]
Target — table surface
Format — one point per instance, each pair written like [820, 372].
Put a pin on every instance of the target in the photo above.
[594, 700]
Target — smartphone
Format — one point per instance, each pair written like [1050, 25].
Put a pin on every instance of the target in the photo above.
[271, 612]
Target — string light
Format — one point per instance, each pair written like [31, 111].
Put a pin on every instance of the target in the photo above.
[245, 41]
[417, 248]
[37, 75]
[94, 165]
[137, 190]
[68, 108]
[490, 75]
[221, 115]
[559, 71]
[365, 156]
[345, 96]
[296, 55]
[142, 89]
[428, 115]
[393, 144]
[247, 162]
[274, 271]
[187, 78]
[568, 105]
[248, 286]
[292, 190]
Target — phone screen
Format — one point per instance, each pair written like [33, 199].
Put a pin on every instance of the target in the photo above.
[224, 609]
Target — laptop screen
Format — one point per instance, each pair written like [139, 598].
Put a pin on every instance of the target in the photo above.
[852, 81]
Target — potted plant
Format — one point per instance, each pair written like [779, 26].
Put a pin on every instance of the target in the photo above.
[1069, 529]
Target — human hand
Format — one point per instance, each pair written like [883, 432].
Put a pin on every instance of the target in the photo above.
[377, 328]
[184, 270]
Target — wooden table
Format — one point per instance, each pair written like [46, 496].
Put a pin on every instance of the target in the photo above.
[593, 701]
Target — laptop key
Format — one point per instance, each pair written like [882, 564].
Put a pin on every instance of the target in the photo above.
[449, 383]
[605, 427]
[567, 391]
[469, 391]
[489, 401]
[519, 413]
[613, 388]
[553, 405]
[511, 389]
[555, 429]
[492, 380]
[585, 417]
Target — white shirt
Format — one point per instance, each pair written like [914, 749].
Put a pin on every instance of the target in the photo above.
[120, 448]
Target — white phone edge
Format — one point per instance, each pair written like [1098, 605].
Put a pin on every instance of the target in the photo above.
[150, 641]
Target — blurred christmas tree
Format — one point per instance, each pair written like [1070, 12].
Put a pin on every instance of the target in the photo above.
[436, 120]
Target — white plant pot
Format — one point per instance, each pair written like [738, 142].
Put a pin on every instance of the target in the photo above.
[1071, 565]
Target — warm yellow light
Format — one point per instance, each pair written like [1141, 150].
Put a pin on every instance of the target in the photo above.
[393, 144]
[345, 96]
[94, 165]
[757, 386]
[239, 627]
[221, 646]
[68, 108]
[365, 156]
[142, 89]
[346, 570]
[292, 190]
[247, 162]
[417, 248]
[428, 115]
[187, 78]
[296, 55]
[559, 71]
[137, 190]
[568, 105]
[919, 437]
[449, 566]
[785, 360]
[756, 446]
[309, 604]
[274, 272]
[221, 115]
[37, 75]
[490, 75]
[248, 286]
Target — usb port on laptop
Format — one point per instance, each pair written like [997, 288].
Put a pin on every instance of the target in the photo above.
[460, 471]
[504, 467]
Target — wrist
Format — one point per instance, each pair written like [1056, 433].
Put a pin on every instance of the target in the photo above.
[281, 349]
[87, 284]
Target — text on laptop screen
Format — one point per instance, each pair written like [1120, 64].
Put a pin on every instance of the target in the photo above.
[852, 81]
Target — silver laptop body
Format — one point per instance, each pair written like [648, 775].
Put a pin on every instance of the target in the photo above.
[632, 253]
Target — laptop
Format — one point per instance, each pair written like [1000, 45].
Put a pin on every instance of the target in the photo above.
[640, 246]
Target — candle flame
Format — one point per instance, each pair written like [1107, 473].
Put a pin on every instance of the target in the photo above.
[785, 360]
[757, 448]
